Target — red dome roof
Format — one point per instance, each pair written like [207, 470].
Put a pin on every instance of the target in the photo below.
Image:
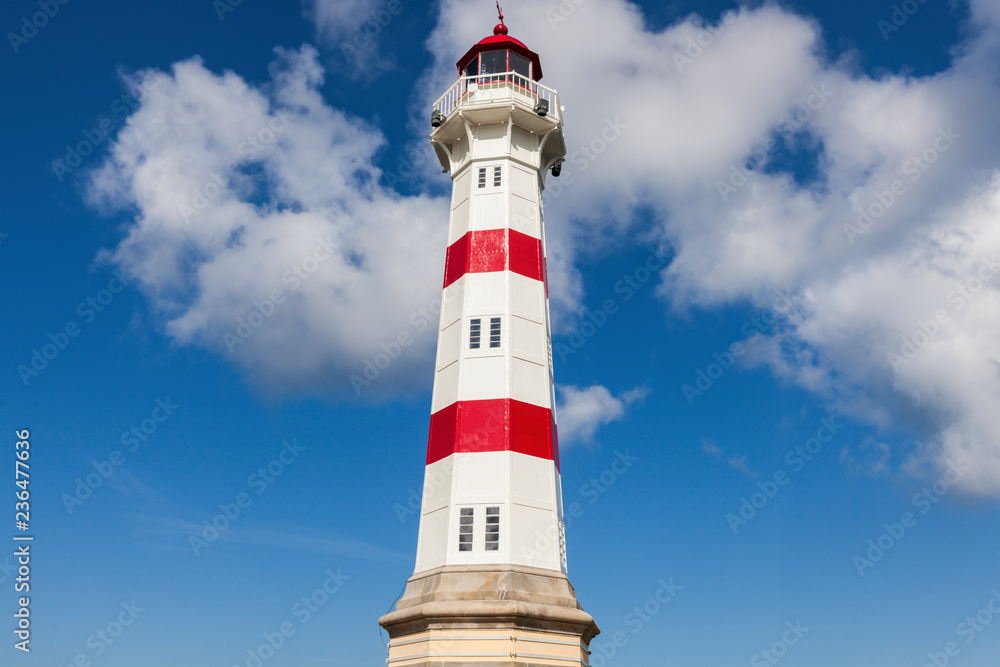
[501, 40]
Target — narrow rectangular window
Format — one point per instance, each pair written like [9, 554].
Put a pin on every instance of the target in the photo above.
[482, 177]
[494, 332]
[492, 528]
[475, 330]
[496, 177]
[465, 529]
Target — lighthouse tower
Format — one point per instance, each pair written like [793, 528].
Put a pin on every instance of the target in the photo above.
[490, 585]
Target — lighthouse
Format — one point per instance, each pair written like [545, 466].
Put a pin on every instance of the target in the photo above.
[490, 584]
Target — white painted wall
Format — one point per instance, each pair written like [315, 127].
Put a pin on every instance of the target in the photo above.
[526, 488]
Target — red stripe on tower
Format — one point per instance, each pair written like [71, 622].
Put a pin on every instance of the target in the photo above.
[494, 250]
[495, 425]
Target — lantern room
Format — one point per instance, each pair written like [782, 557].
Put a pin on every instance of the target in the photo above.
[500, 54]
[498, 91]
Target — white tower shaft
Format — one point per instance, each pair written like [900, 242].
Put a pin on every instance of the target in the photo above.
[492, 487]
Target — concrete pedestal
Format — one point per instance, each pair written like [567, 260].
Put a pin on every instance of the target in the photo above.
[489, 617]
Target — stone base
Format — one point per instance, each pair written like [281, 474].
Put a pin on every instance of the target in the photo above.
[489, 616]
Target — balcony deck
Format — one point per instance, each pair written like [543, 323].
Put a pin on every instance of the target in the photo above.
[470, 92]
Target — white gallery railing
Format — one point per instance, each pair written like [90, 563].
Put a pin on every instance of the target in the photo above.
[490, 88]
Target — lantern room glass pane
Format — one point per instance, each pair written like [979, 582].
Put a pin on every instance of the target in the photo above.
[470, 69]
[493, 62]
[520, 64]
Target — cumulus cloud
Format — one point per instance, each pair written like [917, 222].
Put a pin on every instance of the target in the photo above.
[581, 411]
[885, 240]
[672, 132]
[261, 231]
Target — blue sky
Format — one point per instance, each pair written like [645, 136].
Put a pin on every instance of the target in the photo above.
[824, 185]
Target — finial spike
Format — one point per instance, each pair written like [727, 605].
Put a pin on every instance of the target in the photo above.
[500, 28]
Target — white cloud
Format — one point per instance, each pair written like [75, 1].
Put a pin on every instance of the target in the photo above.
[301, 213]
[685, 126]
[581, 411]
